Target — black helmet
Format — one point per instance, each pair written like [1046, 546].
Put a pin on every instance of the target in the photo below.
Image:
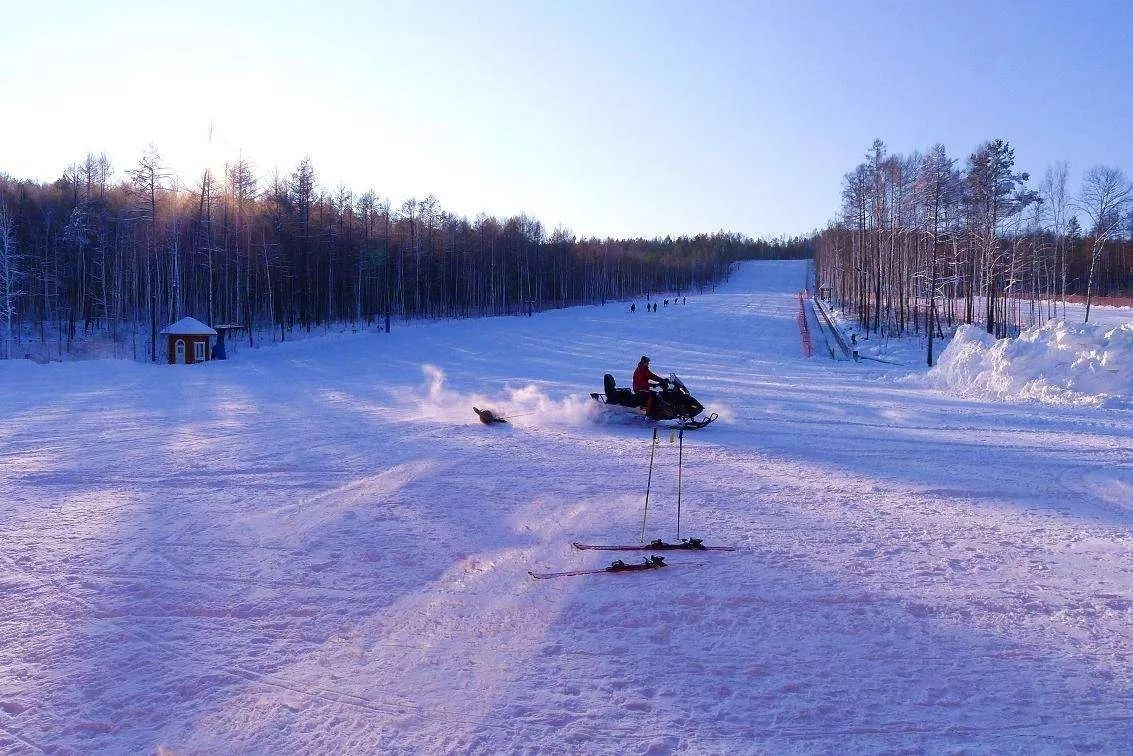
[644, 358]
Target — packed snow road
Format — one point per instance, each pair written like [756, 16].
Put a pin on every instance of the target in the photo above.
[316, 547]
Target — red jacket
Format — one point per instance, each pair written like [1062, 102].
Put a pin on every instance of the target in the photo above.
[641, 377]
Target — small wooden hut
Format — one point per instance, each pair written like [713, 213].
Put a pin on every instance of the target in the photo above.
[188, 341]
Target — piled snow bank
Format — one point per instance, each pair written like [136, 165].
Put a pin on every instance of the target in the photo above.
[1057, 363]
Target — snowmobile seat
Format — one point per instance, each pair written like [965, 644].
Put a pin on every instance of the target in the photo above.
[615, 395]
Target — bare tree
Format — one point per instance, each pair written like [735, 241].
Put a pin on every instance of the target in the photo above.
[941, 188]
[9, 280]
[242, 189]
[1105, 193]
[94, 173]
[147, 179]
[1053, 192]
[302, 186]
[77, 233]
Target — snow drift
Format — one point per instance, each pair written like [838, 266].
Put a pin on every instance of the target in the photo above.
[1057, 363]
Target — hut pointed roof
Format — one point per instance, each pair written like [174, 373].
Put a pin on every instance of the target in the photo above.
[188, 327]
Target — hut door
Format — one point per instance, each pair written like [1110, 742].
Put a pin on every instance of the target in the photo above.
[180, 351]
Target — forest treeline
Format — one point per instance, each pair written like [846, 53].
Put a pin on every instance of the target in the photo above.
[88, 254]
[921, 240]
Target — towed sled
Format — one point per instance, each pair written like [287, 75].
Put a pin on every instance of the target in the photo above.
[487, 416]
[673, 405]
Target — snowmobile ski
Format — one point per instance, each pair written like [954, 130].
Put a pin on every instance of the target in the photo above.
[487, 417]
[687, 544]
[695, 424]
[652, 562]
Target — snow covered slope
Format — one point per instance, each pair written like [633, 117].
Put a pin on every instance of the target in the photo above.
[318, 548]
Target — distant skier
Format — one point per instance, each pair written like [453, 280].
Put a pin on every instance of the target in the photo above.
[642, 377]
[632, 307]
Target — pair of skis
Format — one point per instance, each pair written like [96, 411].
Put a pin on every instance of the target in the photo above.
[685, 544]
[652, 562]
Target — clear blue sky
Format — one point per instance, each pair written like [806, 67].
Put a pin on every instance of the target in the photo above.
[619, 118]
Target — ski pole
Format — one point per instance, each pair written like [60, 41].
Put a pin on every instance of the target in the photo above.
[680, 463]
[648, 484]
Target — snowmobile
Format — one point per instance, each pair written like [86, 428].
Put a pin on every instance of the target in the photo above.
[673, 405]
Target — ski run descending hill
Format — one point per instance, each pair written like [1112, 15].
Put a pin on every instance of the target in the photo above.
[317, 548]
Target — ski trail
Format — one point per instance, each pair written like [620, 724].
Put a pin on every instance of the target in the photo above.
[275, 681]
[21, 739]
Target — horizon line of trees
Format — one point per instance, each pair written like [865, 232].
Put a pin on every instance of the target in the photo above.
[86, 254]
[920, 240]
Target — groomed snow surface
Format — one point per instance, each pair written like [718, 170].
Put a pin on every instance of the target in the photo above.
[317, 548]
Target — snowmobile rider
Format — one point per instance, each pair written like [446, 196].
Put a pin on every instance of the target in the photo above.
[642, 377]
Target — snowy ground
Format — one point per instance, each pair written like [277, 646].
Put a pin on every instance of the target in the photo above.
[316, 547]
